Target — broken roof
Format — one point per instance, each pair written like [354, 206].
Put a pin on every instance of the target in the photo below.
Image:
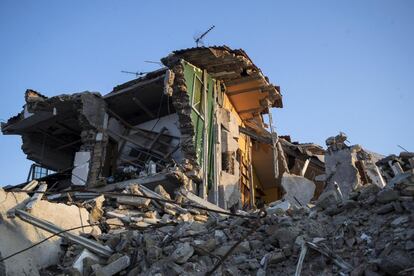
[135, 100]
[249, 91]
[234, 68]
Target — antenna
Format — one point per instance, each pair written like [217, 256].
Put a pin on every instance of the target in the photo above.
[154, 62]
[198, 40]
[137, 74]
[401, 147]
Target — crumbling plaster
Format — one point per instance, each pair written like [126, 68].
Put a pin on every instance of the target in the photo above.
[17, 234]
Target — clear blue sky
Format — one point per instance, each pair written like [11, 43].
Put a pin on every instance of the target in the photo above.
[342, 65]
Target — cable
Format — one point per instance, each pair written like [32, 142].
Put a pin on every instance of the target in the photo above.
[262, 213]
[43, 149]
[58, 234]
[42, 241]
[159, 112]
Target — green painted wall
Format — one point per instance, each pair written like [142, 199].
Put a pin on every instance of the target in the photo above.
[194, 78]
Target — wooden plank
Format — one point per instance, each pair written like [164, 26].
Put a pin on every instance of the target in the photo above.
[244, 80]
[255, 136]
[262, 88]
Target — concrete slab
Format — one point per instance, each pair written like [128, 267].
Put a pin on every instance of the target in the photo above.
[340, 168]
[114, 267]
[78, 263]
[202, 202]
[297, 188]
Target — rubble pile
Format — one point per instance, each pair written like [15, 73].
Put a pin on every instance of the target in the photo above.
[371, 233]
[397, 169]
[178, 172]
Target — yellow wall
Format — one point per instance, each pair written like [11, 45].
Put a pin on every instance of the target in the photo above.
[271, 194]
[243, 145]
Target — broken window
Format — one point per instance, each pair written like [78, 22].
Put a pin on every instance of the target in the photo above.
[198, 96]
[37, 171]
[227, 161]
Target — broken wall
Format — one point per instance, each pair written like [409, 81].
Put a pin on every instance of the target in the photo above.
[195, 113]
[17, 234]
[349, 166]
[54, 129]
[340, 169]
[235, 151]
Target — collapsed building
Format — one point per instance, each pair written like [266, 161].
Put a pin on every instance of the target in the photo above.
[199, 123]
[181, 172]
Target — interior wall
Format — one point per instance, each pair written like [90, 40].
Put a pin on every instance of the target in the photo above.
[232, 123]
[171, 123]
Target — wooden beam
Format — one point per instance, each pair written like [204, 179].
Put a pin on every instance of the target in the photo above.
[274, 147]
[119, 118]
[143, 107]
[243, 80]
[123, 142]
[69, 144]
[139, 146]
[205, 142]
[262, 88]
[134, 86]
[168, 155]
[255, 136]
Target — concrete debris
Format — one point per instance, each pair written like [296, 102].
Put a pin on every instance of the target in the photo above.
[278, 207]
[177, 173]
[182, 253]
[344, 237]
[79, 263]
[340, 165]
[113, 268]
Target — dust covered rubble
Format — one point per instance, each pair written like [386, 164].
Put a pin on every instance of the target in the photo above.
[371, 233]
